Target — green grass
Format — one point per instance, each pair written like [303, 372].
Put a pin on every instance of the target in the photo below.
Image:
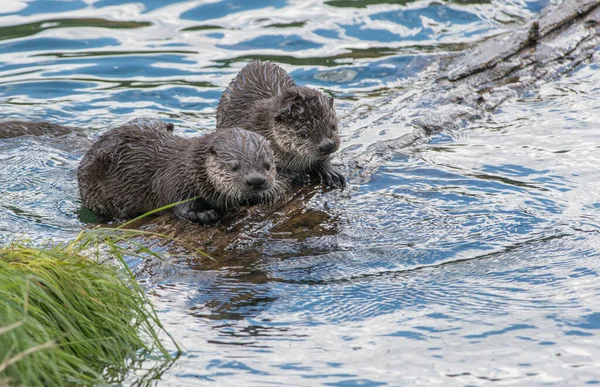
[70, 316]
[73, 313]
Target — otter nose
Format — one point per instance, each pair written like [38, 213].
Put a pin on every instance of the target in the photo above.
[256, 181]
[326, 146]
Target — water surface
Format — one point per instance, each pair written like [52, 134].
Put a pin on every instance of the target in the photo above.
[470, 260]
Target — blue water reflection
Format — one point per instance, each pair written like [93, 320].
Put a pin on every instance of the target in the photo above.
[127, 67]
[51, 6]
[223, 8]
[149, 5]
[45, 89]
[419, 24]
[281, 42]
[471, 258]
[56, 44]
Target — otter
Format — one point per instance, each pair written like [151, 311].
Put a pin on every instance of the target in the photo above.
[299, 121]
[142, 165]
[10, 129]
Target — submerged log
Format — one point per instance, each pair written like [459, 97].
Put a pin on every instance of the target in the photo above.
[10, 129]
[475, 84]
[467, 89]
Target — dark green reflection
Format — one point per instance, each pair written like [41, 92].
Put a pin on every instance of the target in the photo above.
[202, 27]
[287, 25]
[354, 53]
[365, 3]
[374, 52]
[23, 30]
[86, 54]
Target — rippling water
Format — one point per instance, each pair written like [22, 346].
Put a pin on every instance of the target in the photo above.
[469, 260]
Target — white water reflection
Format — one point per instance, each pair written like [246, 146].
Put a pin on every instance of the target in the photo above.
[469, 260]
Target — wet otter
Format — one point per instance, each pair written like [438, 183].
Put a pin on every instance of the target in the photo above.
[10, 129]
[142, 165]
[300, 121]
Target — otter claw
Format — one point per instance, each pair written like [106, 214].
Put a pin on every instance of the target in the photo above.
[205, 218]
[332, 178]
[301, 179]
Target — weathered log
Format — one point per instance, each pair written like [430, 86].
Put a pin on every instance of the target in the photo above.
[478, 82]
[469, 88]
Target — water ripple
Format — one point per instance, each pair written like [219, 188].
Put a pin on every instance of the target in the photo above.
[468, 260]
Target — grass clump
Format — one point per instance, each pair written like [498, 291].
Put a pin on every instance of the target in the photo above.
[68, 319]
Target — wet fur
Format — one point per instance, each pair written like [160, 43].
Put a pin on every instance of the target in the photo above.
[10, 129]
[263, 98]
[142, 165]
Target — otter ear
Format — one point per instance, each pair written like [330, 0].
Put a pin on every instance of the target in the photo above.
[292, 104]
[313, 100]
[211, 150]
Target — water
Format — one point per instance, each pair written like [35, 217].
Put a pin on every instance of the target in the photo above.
[468, 260]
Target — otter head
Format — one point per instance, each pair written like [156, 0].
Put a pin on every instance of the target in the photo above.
[305, 129]
[240, 166]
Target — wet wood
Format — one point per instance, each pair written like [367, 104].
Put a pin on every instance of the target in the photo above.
[236, 235]
[474, 85]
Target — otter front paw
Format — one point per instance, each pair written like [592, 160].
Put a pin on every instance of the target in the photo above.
[205, 218]
[300, 179]
[332, 178]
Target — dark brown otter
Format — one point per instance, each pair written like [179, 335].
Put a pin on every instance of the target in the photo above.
[299, 121]
[142, 165]
[10, 129]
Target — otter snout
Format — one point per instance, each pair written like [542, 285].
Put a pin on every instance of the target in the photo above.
[326, 146]
[257, 182]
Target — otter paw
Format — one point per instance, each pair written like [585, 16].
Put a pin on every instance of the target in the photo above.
[205, 218]
[301, 179]
[208, 217]
[333, 178]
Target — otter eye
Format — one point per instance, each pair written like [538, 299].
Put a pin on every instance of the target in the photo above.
[303, 133]
[267, 166]
[234, 166]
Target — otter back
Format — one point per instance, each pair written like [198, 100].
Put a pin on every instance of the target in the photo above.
[142, 166]
[116, 175]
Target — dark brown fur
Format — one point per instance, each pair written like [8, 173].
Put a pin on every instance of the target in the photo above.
[299, 121]
[142, 166]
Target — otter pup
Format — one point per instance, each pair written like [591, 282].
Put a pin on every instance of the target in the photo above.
[299, 121]
[142, 165]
